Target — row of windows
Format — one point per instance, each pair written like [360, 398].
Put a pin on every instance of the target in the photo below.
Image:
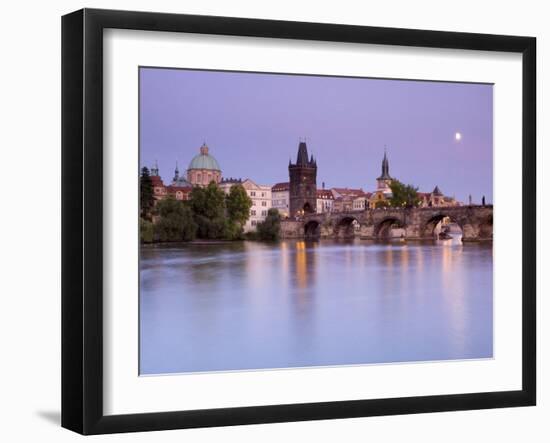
[197, 177]
[280, 203]
[253, 213]
[253, 194]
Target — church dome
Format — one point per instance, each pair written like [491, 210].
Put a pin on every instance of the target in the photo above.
[204, 160]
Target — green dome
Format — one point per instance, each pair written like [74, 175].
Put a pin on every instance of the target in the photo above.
[204, 161]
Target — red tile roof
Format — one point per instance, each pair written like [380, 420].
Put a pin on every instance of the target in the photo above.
[325, 194]
[156, 180]
[349, 192]
[280, 187]
[173, 189]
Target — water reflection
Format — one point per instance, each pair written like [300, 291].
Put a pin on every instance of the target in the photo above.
[295, 303]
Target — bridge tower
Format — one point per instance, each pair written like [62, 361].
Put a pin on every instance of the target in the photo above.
[302, 183]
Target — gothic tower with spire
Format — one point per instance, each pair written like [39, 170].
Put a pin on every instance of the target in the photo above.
[303, 182]
[384, 181]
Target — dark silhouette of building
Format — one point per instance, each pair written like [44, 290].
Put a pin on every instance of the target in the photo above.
[303, 183]
[385, 179]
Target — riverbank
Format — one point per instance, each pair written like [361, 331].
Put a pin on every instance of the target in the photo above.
[193, 242]
[373, 241]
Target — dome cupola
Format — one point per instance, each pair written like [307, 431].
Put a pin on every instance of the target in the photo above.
[204, 160]
[203, 168]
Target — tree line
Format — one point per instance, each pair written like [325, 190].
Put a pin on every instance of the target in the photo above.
[402, 196]
[208, 214]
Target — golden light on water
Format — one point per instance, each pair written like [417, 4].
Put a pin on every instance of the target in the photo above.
[301, 265]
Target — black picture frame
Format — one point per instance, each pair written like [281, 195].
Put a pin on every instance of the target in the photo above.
[82, 218]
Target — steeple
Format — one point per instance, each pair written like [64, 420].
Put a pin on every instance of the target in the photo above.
[155, 169]
[176, 172]
[385, 167]
[302, 157]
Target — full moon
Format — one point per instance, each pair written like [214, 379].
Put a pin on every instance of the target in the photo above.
[458, 136]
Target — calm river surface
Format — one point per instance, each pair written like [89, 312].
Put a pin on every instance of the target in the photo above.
[251, 305]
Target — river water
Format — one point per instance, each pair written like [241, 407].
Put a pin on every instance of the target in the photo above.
[251, 305]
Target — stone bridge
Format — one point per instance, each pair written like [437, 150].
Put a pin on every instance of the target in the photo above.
[476, 223]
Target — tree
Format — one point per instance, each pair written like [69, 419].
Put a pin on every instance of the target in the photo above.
[146, 198]
[176, 221]
[146, 230]
[403, 195]
[238, 204]
[208, 202]
[270, 228]
[382, 204]
[233, 230]
[208, 206]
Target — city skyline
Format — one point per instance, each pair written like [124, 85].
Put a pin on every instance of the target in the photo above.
[253, 124]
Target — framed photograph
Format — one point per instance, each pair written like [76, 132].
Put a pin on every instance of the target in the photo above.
[268, 221]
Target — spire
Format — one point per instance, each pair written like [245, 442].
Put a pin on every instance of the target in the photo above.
[204, 149]
[176, 172]
[437, 191]
[385, 167]
[301, 158]
[155, 169]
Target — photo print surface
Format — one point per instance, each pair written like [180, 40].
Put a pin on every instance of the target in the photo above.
[293, 221]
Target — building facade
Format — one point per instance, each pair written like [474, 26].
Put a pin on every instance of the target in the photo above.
[436, 198]
[179, 189]
[302, 183]
[349, 199]
[261, 203]
[325, 200]
[280, 199]
[259, 194]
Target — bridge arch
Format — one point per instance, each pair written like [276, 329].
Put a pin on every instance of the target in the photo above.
[346, 226]
[433, 224]
[312, 229]
[383, 229]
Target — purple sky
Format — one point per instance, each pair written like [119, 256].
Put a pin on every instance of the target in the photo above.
[252, 124]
